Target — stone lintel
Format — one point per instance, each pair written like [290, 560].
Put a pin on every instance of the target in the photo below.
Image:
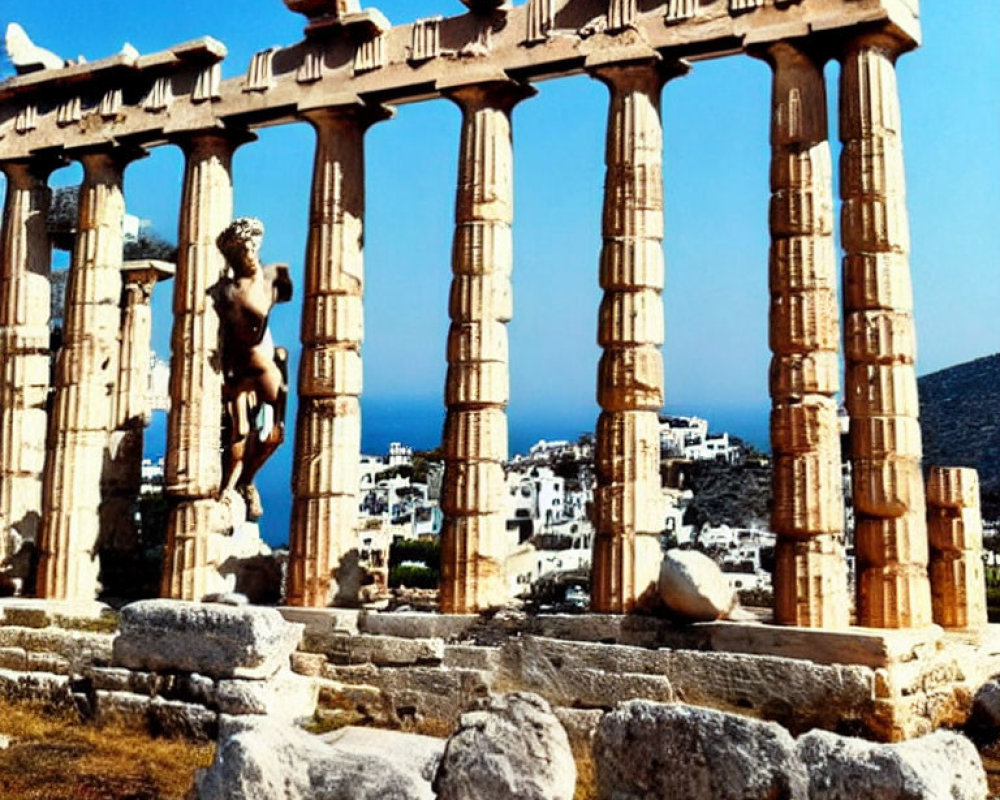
[322, 620]
[713, 32]
[870, 647]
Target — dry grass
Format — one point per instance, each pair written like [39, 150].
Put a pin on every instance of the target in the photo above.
[53, 756]
[990, 753]
[586, 777]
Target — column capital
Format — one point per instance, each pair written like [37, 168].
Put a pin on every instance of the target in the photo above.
[790, 53]
[360, 115]
[23, 173]
[501, 94]
[648, 73]
[886, 40]
[213, 140]
[112, 159]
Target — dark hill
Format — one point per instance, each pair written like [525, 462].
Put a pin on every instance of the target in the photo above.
[960, 418]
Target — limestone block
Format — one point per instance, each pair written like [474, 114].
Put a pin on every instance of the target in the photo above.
[877, 280]
[888, 487]
[626, 565]
[14, 658]
[944, 764]
[958, 590]
[409, 751]
[263, 761]
[630, 379]
[477, 341]
[874, 223]
[480, 432]
[801, 263]
[48, 662]
[802, 322]
[480, 560]
[631, 318]
[800, 374]
[881, 390]
[472, 383]
[36, 687]
[176, 720]
[810, 584]
[804, 427]
[626, 507]
[473, 487]
[693, 587]
[462, 656]
[873, 164]
[895, 596]
[881, 542]
[807, 498]
[79, 648]
[802, 210]
[385, 651]
[330, 370]
[955, 530]
[631, 264]
[23, 432]
[450, 627]
[286, 697]
[880, 337]
[511, 747]
[214, 640]
[340, 318]
[633, 208]
[711, 755]
[580, 725]
[880, 438]
[486, 297]
[628, 447]
[326, 436]
[482, 247]
[429, 692]
[953, 487]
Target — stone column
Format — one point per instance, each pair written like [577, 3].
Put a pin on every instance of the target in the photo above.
[473, 538]
[85, 377]
[25, 292]
[955, 530]
[628, 500]
[880, 348]
[122, 480]
[193, 478]
[323, 539]
[810, 581]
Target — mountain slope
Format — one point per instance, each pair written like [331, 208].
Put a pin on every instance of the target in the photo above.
[960, 418]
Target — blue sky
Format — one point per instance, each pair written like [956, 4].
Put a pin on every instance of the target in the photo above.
[716, 173]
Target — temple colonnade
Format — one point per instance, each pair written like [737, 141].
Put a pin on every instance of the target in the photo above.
[63, 492]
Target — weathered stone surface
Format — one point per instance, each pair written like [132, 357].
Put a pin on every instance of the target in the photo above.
[510, 748]
[79, 648]
[693, 587]
[219, 641]
[177, 720]
[471, 657]
[286, 697]
[648, 750]
[943, 765]
[323, 620]
[389, 651]
[449, 627]
[580, 725]
[412, 753]
[35, 687]
[267, 762]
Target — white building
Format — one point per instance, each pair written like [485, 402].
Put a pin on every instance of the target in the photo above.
[688, 437]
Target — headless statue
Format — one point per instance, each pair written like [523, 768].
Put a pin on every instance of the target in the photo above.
[255, 372]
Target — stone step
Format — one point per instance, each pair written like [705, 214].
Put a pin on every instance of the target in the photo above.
[78, 648]
[388, 651]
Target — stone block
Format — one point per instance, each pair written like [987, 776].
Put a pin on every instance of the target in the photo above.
[473, 383]
[797, 375]
[462, 656]
[630, 379]
[323, 620]
[877, 280]
[888, 487]
[880, 336]
[309, 664]
[330, 369]
[953, 487]
[631, 264]
[804, 322]
[958, 590]
[896, 596]
[286, 697]
[477, 341]
[883, 542]
[630, 318]
[383, 651]
[879, 438]
[476, 298]
[177, 720]
[478, 433]
[13, 658]
[214, 640]
[808, 494]
[881, 390]
[805, 427]
[955, 530]
[476, 487]
[449, 627]
[49, 662]
[801, 263]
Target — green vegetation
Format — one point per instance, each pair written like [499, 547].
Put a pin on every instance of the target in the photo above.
[415, 563]
[728, 494]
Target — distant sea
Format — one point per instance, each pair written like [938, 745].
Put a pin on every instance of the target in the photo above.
[417, 422]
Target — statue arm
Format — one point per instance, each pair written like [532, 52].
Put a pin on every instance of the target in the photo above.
[281, 281]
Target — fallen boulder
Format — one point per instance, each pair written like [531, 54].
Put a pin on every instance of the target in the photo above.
[693, 587]
[258, 760]
[511, 748]
[649, 751]
[941, 766]
[220, 641]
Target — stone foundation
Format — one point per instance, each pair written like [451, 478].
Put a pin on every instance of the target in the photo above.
[420, 671]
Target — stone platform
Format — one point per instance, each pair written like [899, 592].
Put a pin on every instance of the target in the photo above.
[884, 684]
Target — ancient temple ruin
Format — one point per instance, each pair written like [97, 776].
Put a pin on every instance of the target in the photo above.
[346, 75]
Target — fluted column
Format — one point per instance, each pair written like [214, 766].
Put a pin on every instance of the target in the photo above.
[25, 261]
[473, 539]
[955, 532]
[880, 347]
[627, 501]
[194, 425]
[328, 428]
[122, 479]
[85, 377]
[810, 580]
